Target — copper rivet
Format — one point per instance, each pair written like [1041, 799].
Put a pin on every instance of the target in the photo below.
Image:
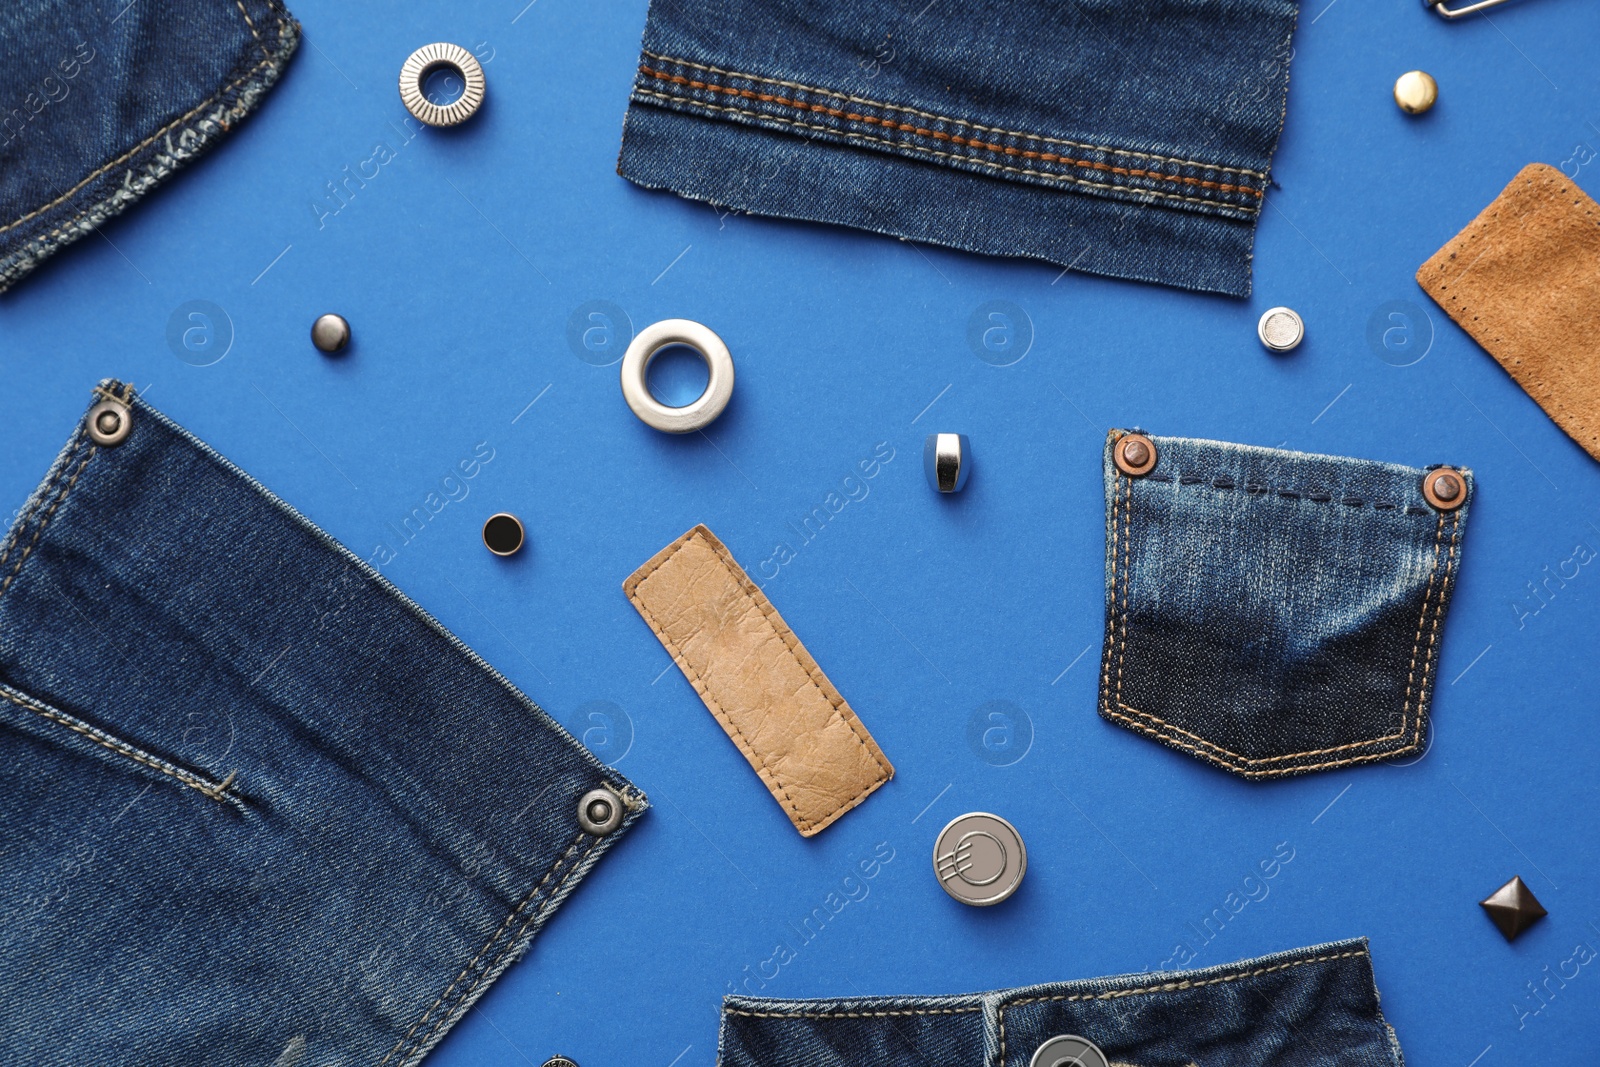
[1444, 488]
[1134, 454]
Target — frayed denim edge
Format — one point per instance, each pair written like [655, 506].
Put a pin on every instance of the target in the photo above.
[164, 156]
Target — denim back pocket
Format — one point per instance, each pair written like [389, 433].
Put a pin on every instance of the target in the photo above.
[1274, 612]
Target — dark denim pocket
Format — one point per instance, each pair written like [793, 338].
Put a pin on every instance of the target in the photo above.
[1274, 612]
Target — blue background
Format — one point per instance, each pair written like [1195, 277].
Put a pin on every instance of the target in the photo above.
[460, 266]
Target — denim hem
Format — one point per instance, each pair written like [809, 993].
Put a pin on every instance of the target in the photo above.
[761, 171]
[1142, 176]
[121, 182]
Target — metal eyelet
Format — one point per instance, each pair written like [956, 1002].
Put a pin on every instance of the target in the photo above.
[109, 422]
[600, 811]
[432, 57]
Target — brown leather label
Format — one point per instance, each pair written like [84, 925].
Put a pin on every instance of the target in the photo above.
[759, 681]
[1524, 280]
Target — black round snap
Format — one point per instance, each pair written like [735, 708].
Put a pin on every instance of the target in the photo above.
[503, 534]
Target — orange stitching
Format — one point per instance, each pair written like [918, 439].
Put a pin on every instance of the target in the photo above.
[907, 146]
[1405, 711]
[1164, 987]
[675, 61]
[922, 131]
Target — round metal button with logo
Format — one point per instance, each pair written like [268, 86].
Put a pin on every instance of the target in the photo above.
[979, 858]
[1068, 1050]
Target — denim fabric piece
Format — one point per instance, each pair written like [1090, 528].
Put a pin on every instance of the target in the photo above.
[1127, 139]
[1274, 612]
[1311, 1007]
[257, 807]
[100, 102]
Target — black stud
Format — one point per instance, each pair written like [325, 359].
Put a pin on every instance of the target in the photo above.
[1514, 908]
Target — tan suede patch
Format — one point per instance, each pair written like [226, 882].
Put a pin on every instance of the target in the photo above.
[759, 681]
[1524, 280]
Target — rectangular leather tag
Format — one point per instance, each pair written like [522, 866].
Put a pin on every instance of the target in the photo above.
[1524, 280]
[758, 680]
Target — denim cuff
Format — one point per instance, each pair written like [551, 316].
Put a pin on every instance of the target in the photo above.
[1316, 1005]
[1273, 612]
[108, 101]
[1130, 140]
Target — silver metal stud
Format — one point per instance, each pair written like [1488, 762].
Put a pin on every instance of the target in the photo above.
[600, 811]
[109, 422]
[947, 460]
[330, 333]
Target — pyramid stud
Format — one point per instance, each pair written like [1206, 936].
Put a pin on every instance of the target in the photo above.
[1514, 908]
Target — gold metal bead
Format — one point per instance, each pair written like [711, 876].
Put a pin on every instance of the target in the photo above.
[1416, 92]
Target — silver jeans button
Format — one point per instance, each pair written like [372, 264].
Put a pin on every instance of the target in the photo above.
[979, 859]
[1068, 1050]
[109, 422]
[600, 811]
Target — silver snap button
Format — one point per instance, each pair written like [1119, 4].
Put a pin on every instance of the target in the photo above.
[1280, 329]
[423, 62]
[692, 416]
[559, 1061]
[330, 333]
[1068, 1050]
[947, 460]
[979, 859]
[600, 811]
[109, 423]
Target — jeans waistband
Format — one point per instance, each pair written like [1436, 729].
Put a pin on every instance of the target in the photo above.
[1308, 1007]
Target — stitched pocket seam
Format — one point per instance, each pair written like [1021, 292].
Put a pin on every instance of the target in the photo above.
[1240, 763]
[216, 791]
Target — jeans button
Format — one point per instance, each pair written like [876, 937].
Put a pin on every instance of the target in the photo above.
[1134, 454]
[330, 333]
[109, 423]
[503, 534]
[979, 859]
[559, 1061]
[600, 811]
[1444, 488]
[1281, 329]
[1068, 1050]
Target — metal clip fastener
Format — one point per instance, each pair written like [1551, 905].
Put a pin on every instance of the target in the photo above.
[1438, 8]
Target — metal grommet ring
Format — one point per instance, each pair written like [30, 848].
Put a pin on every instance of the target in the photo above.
[1444, 488]
[426, 60]
[1134, 454]
[109, 422]
[600, 811]
[693, 416]
[1068, 1050]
